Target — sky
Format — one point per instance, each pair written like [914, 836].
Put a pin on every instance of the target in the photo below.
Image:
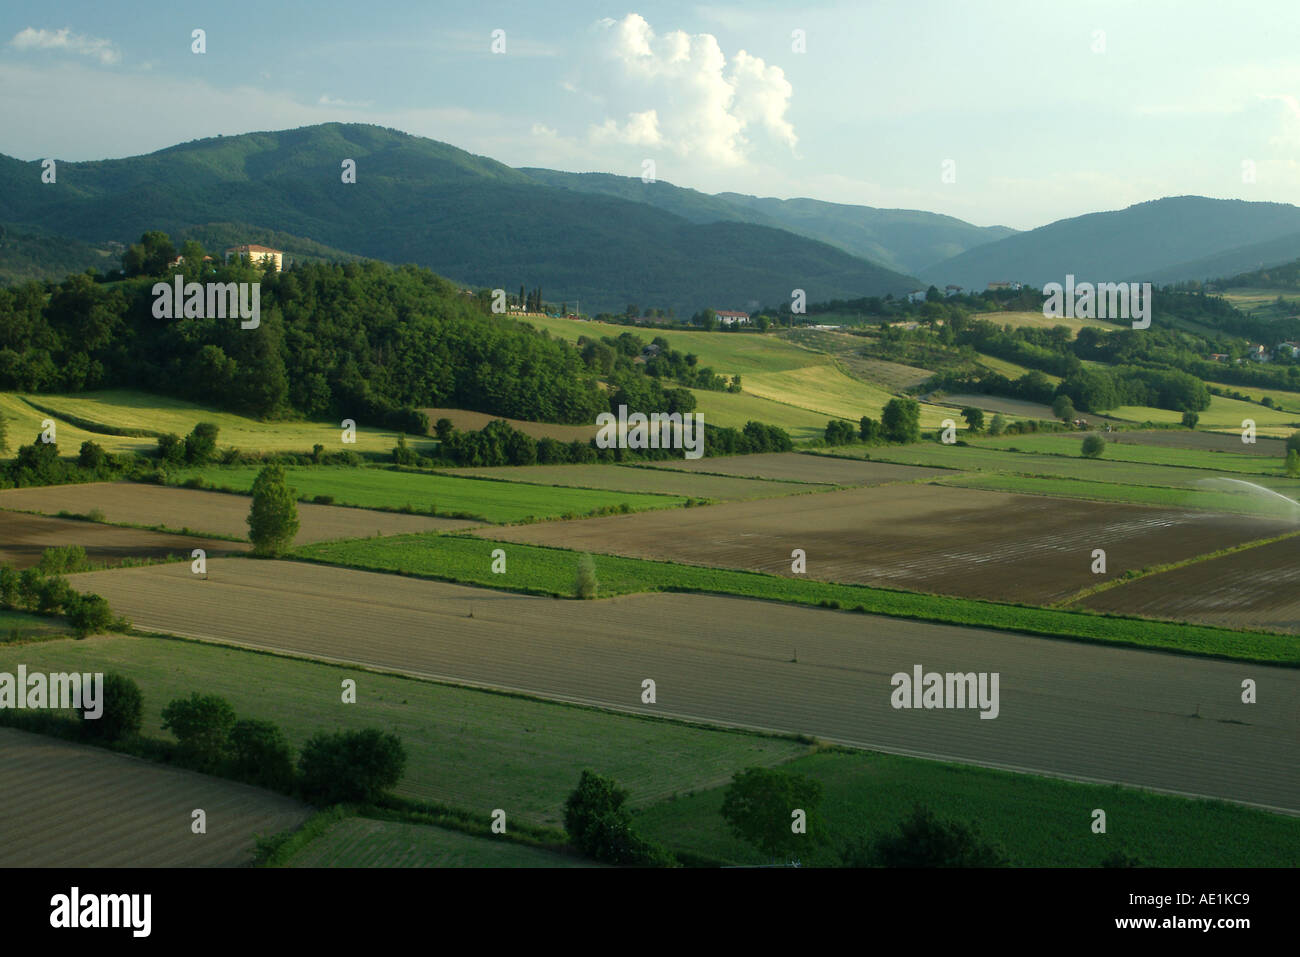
[998, 112]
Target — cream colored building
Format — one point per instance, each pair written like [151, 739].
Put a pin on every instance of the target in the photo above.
[256, 254]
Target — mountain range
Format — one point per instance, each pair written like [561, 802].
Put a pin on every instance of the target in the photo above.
[603, 241]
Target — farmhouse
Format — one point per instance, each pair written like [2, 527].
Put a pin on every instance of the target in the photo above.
[1013, 286]
[728, 317]
[916, 295]
[256, 254]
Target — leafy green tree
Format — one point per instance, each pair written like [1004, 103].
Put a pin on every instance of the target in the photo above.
[92, 456]
[584, 583]
[273, 517]
[1093, 446]
[759, 807]
[123, 711]
[201, 444]
[261, 754]
[998, 424]
[869, 430]
[202, 725]
[443, 429]
[1063, 408]
[974, 418]
[1293, 442]
[901, 420]
[924, 840]
[1293, 463]
[9, 594]
[350, 766]
[600, 826]
[171, 448]
[4, 435]
[89, 614]
[839, 432]
[1190, 419]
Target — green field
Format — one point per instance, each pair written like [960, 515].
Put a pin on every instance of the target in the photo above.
[549, 571]
[1070, 444]
[489, 500]
[1241, 502]
[367, 842]
[24, 626]
[1290, 401]
[1222, 415]
[124, 409]
[732, 410]
[1039, 822]
[831, 393]
[468, 749]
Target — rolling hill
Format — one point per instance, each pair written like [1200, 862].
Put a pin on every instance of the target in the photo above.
[467, 217]
[1164, 240]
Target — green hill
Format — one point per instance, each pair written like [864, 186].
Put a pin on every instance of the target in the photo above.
[419, 201]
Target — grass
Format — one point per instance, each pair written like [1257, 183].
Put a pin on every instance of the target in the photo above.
[1287, 400]
[1038, 821]
[549, 571]
[23, 626]
[1223, 415]
[827, 390]
[733, 409]
[658, 481]
[493, 501]
[100, 413]
[367, 842]
[466, 748]
[1068, 444]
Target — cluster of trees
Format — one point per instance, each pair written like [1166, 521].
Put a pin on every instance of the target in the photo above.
[1095, 389]
[359, 340]
[197, 448]
[615, 357]
[599, 825]
[42, 590]
[900, 423]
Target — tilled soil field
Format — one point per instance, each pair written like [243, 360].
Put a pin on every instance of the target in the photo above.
[214, 513]
[24, 537]
[619, 478]
[1257, 588]
[1080, 710]
[70, 805]
[797, 467]
[951, 541]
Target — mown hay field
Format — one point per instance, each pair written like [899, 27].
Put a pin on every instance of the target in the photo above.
[216, 513]
[467, 421]
[71, 805]
[1079, 710]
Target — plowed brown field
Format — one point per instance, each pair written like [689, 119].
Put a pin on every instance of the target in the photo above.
[24, 537]
[1256, 588]
[216, 513]
[69, 805]
[965, 542]
[797, 467]
[1078, 710]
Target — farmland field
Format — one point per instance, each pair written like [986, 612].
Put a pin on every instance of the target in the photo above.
[1018, 408]
[1080, 710]
[215, 513]
[797, 467]
[828, 391]
[386, 488]
[976, 544]
[70, 805]
[630, 479]
[1290, 401]
[1223, 414]
[1203, 441]
[733, 410]
[867, 795]
[366, 842]
[467, 421]
[141, 411]
[1255, 588]
[467, 749]
[25, 538]
[1117, 450]
[24, 423]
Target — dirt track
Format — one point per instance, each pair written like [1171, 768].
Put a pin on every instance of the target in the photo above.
[214, 513]
[24, 537]
[1074, 709]
[69, 805]
[951, 541]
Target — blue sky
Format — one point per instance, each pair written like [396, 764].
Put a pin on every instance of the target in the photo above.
[1046, 110]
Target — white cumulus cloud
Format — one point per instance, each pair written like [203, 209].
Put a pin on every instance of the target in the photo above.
[67, 41]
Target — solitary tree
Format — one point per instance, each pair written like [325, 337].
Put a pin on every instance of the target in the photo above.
[202, 724]
[1293, 463]
[998, 425]
[122, 710]
[1190, 419]
[1063, 408]
[600, 825]
[974, 418]
[761, 805]
[350, 766]
[901, 420]
[273, 517]
[924, 840]
[1093, 446]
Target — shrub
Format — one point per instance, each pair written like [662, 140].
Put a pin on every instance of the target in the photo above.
[998, 425]
[584, 582]
[404, 454]
[1093, 446]
[123, 711]
[757, 806]
[924, 840]
[1293, 463]
[901, 420]
[1293, 442]
[260, 754]
[53, 594]
[324, 499]
[92, 456]
[1190, 419]
[202, 725]
[201, 444]
[89, 614]
[350, 766]
[171, 448]
[63, 560]
[9, 593]
[974, 418]
[600, 826]
[194, 481]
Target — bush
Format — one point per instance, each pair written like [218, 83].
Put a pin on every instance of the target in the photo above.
[600, 826]
[1063, 408]
[1190, 419]
[998, 425]
[260, 754]
[1093, 446]
[901, 420]
[273, 517]
[89, 614]
[974, 418]
[9, 594]
[584, 583]
[171, 449]
[350, 766]
[123, 711]
[201, 444]
[92, 456]
[404, 454]
[1293, 463]
[758, 804]
[53, 595]
[1293, 442]
[202, 725]
[839, 432]
[324, 500]
[924, 840]
[194, 481]
[63, 560]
